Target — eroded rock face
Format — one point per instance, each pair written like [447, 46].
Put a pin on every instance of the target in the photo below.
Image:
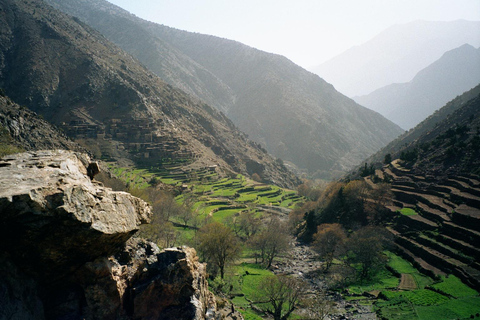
[65, 255]
[55, 217]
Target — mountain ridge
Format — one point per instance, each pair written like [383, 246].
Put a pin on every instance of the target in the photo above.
[396, 54]
[460, 111]
[69, 73]
[407, 104]
[267, 92]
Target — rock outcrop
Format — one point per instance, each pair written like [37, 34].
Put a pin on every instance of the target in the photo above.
[66, 250]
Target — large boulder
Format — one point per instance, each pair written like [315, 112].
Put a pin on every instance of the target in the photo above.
[55, 217]
[66, 250]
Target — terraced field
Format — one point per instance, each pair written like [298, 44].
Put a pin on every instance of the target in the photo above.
[437, 222]
[215, 196]
[405, 293]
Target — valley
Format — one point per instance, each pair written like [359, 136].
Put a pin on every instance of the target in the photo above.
[148, 172]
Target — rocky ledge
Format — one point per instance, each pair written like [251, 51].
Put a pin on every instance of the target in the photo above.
[66, 250]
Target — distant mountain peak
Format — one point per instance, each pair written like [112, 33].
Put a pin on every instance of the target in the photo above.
[396, 54]
[407, 104]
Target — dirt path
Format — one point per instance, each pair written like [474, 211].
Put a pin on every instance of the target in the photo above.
[303, 264]
[407, 282]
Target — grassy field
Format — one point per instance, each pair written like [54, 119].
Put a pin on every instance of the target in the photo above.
[408, 212]
[446, 299]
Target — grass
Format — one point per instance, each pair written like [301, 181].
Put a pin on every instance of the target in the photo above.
[449, 299]
[408, 212]
[396, 310]
[454, 287]
[422, 297]
[463, 308]
[403, 266]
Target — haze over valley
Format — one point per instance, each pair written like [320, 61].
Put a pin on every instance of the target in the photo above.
[157, 171]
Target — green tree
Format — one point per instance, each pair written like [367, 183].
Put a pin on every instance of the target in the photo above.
[387, 159]
[218, 245]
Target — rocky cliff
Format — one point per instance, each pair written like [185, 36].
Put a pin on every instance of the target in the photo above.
[26, 130]
[66, 250]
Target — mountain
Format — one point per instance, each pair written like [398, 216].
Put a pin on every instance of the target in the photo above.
[446, 143]
[407, 104]
[293, 113]
[70, 74]
[396, 55]
[23, 129]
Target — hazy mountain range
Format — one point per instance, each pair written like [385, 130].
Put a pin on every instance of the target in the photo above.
[293, 113]
[396, 55]
[407, 104]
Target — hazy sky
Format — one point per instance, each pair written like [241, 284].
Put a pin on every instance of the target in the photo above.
[308, 32]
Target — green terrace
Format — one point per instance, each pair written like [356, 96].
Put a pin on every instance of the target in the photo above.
[404, 293]
[214, 196]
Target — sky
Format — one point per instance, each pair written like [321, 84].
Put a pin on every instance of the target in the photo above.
[308, 32]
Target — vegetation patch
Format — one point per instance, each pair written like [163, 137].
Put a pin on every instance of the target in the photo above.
[402, 266]
[408, 212]
[422, 297]
[454, 287]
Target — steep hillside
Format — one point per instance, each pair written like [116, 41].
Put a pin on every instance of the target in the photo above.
[396, 55]
[66, 71]
[293, 113]
[435, 187]
[407, 104]
[23, 129]
[444, 142]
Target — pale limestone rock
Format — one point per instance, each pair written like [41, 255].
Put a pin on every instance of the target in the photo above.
[64, 242]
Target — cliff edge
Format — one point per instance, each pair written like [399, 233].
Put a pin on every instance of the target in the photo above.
[66, 250]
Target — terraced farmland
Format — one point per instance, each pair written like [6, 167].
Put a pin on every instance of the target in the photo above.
[436, 222]
[215, 196]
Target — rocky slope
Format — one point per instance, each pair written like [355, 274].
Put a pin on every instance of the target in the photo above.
[407, 104]
[396, 55]
[67, 251]
[445, 143]
[70, 74]
[296, 115]
[26, 130]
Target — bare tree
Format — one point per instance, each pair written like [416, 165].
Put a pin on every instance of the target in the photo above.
[329, 242]
[318, 307]
[280, 295]
[218, 245]
[271, 241]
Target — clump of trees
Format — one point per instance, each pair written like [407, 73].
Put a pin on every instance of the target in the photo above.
[346, 203]
[362, 251]
[367, 170]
